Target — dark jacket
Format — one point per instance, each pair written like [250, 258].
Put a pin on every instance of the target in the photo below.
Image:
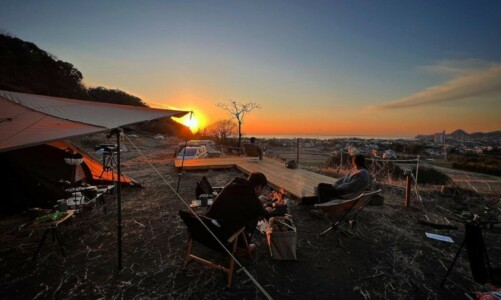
[237, 205]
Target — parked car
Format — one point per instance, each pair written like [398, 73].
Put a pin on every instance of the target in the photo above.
[208, 144]
[193, 152]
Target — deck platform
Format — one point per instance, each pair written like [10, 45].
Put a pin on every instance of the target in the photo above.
[295, 182]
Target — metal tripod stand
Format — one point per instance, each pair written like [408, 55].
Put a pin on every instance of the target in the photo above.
[109, 164]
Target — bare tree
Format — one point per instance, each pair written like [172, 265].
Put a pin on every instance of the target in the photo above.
[222, 130]
[238, 110]
[204, 133]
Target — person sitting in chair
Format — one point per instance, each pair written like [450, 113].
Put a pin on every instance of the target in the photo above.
[258, 149]
[357, 180]
[238, 204]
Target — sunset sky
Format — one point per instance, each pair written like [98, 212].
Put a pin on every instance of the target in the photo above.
[395, 68]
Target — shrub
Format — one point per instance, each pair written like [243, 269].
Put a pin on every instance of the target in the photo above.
[431, 176]
[477, 168]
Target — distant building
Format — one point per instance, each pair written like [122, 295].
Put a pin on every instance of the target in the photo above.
[439, 137]
[389, 154]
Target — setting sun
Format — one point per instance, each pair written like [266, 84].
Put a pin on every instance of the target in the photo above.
[192, 124]
[194, 121]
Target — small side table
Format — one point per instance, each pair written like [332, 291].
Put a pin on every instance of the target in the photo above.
[195, 204]
[53, 228]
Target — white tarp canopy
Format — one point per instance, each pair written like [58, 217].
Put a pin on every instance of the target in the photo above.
[27, 120]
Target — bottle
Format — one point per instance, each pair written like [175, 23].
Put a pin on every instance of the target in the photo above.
[287, 202]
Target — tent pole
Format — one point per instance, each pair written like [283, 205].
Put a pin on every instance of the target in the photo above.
[182, 161]
[119, 202]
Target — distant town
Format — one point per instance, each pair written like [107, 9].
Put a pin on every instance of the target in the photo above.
[458, 150]
[438, 145]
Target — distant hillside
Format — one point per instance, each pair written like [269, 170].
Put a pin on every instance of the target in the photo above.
[463, 135]
[26, 68]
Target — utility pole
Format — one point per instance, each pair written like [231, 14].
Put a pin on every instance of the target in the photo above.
[341, 162]
[297, 151]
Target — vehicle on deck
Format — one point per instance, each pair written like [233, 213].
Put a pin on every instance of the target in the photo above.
[209, 145]
[193, 152]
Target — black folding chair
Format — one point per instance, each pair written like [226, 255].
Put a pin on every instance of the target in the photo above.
[198, 232]
[480, 264]
[204, 187]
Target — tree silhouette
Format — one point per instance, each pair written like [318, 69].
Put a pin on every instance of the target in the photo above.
[222, 130]
[26, 68]
[238, 110]
[102, 94]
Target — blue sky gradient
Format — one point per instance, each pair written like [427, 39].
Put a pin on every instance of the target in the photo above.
[316, 67]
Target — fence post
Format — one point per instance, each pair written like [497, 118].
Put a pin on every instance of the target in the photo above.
[417, 169]
[297, 151]
[407, 191]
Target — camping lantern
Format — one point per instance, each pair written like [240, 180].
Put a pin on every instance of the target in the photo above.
[74, 159]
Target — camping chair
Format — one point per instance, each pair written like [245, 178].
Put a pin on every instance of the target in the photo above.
[252, 150]
[343, 211]
[480, 264]
[198, 232]
[204, 187]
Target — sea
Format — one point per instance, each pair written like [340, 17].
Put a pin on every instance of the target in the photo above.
[328, 137]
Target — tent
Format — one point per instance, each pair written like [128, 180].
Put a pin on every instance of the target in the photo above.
[32, 153]
[91, 168]
[28, 120]
[32, 177]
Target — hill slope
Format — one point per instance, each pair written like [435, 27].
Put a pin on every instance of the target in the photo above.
[26, 68]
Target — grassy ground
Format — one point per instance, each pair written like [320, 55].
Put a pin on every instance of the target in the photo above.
[389, 256]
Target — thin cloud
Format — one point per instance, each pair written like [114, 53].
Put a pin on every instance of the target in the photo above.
[469, 85]
[456, 68]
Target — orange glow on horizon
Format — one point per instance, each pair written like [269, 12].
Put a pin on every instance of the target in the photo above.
[338, 123]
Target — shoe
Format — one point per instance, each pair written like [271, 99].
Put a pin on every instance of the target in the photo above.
[318, 213]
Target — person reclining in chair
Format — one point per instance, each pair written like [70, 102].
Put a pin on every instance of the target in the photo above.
[356, 181]
[352, 184]
[238, 205]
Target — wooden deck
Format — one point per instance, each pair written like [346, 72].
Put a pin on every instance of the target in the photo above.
[295, 182]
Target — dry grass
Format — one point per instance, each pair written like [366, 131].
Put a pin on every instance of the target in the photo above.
[388, 257]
